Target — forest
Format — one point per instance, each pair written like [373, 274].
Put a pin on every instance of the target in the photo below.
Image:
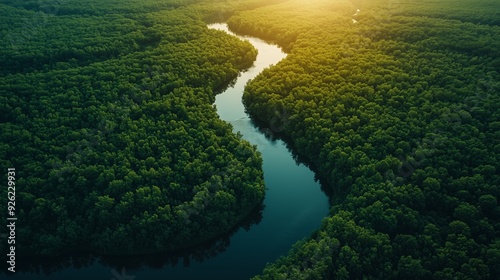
[107, 116]
[396, 107]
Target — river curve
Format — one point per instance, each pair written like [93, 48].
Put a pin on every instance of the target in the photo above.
[294, 206]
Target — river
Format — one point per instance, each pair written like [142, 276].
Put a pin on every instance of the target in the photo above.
[294, 206]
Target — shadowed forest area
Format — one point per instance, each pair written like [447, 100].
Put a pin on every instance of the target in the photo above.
[107, 117]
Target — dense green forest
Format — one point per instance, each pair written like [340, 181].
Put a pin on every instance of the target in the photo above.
[107, 117]
[396, 107]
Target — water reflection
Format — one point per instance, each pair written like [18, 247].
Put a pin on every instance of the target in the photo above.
[210, 249]
[273, 136]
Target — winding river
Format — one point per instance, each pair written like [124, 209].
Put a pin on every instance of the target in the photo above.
[293, 208]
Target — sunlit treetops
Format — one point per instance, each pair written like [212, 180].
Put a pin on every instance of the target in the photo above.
[397, 114]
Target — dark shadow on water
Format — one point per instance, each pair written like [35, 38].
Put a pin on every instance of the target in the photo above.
[224, 86]
[184, 257]
[273, 135]
[230, 83]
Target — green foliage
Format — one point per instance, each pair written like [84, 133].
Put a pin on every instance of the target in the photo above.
[107, 117]
[398, 114]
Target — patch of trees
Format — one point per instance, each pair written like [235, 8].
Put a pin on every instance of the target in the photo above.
[108, 120]
[399, 115]
[483, 12]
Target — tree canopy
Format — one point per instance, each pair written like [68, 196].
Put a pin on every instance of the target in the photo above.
[107, 117]
[395, 106]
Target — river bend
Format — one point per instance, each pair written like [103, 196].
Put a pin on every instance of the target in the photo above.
[294, 206]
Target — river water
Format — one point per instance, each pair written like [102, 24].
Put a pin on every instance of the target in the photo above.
[294, 206]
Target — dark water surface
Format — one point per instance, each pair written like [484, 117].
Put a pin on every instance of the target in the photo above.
[293, 208]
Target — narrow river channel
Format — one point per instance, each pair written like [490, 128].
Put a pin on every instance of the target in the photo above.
[293, 208]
